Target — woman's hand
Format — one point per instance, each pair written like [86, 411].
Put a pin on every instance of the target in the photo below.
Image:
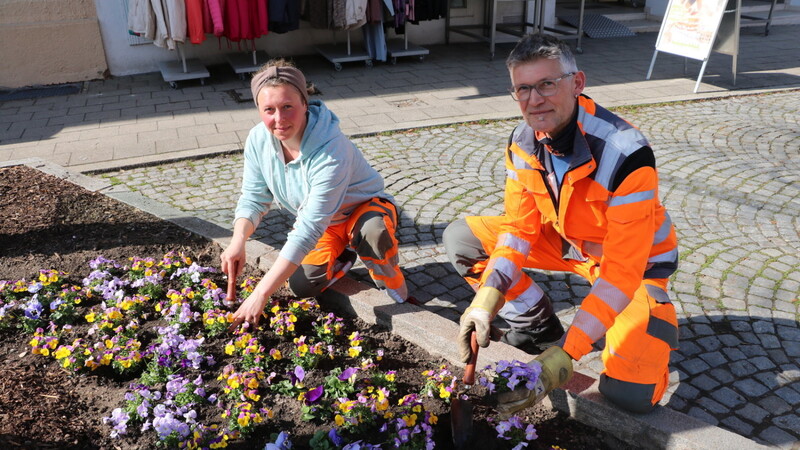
[250, 311]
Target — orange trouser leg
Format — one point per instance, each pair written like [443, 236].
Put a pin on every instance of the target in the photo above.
[545, 254]
[322, 266]
[469, 244]
[371, 231]
[638, 345]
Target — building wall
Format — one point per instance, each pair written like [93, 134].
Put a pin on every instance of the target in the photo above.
[49, 42]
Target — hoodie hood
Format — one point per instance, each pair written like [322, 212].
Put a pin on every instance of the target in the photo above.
[321, 129]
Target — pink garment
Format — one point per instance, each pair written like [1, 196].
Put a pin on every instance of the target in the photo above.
[194, 21]
[215, 8]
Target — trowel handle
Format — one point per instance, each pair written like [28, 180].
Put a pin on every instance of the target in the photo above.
[234, 268]
[469, 371]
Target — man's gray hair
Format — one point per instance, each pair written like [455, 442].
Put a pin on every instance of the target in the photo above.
[542, 46]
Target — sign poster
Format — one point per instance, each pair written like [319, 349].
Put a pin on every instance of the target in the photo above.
[689, 27]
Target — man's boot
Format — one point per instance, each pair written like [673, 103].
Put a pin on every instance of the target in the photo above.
[537, 339]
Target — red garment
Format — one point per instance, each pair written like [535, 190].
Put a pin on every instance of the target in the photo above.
[262, 27]
[194, 21]
[245, 19]
[233, 28]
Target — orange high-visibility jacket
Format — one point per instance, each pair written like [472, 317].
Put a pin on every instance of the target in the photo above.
[607, 211]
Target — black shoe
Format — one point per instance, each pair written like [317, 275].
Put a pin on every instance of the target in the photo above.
[537, 339]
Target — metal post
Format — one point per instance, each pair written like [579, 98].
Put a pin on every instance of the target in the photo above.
[700, 77]
[183, 57]
[652, 63]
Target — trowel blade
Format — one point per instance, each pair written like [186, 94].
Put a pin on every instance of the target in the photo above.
[461, 422]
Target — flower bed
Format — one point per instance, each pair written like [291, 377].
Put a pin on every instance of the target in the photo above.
[163, 325]
[44, 405]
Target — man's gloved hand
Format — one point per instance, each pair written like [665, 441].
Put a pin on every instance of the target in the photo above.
[478, 316]
[556, 367]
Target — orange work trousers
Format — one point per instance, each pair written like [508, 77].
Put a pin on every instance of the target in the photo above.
[369, 233]
[637, 348]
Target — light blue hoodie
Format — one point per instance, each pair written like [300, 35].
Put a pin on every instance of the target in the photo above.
[321, 188]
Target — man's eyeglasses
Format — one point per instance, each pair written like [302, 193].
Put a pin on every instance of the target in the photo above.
[545, 88]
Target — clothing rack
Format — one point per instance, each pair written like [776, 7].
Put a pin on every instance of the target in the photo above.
[184, 69]
[396, 48]
[487, 31]
[338, 55]
[244, 63]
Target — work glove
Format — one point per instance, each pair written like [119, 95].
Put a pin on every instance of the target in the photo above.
[478, 317]
[556, 367]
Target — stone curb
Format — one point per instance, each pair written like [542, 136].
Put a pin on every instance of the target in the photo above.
[661, 429]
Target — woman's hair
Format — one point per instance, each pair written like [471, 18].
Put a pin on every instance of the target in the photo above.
[277, 81]
[541, 46]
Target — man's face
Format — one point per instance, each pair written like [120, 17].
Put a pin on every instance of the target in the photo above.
[551, 114]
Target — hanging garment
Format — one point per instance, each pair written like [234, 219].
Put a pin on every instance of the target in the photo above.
[247, 18]
[429, 10]
[214, 22]
[374, 11]
[161, 33]
[316, 12]
[194, 21]
[337, 13]
[284, 15]
[262, 18]
[175, 15]
[375, 40]
[141, 19]
[389, 8]
[355, 13]
[399, 21]
[233, 27]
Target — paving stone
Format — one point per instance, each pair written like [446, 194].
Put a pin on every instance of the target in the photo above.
[714, 359]
[710, 343]
[776, 436]
[723, 375]
[734, 354]
[774, 404]
[702, 415]
[737, 426]
[728, 397]
[750, 387]
[790, 395]
[704, 382]
[712, 406]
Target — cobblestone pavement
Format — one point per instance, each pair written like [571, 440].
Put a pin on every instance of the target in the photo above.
[730, 177]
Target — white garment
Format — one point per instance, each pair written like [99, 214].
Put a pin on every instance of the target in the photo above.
[161, 34]
[176, 16]
[355, 13]
[169, 17]
[140, 18]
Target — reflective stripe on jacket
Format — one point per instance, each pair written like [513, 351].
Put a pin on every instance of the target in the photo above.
[606, 210]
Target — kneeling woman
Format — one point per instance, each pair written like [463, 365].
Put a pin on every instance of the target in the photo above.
[300, 159]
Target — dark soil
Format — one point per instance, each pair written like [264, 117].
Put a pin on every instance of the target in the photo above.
[46, 222]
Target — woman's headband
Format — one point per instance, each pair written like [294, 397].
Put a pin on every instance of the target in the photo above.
[291, 75]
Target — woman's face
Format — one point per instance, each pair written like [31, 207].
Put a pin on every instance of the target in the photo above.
[283, 112]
